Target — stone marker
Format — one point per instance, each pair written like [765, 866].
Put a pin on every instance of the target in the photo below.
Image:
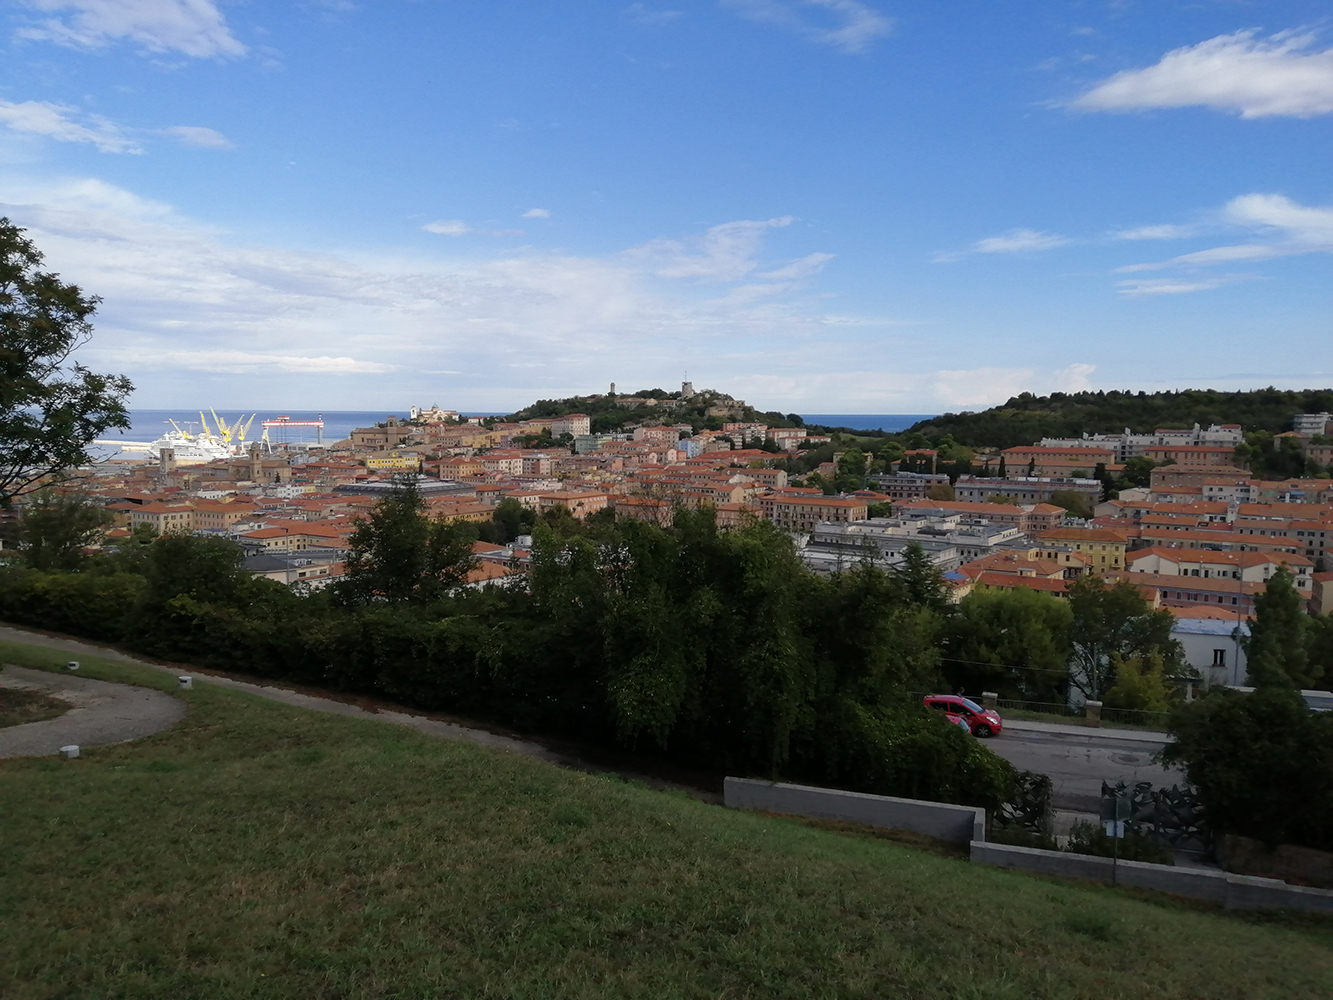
[186, 682]
[72, 665]
[69, 752]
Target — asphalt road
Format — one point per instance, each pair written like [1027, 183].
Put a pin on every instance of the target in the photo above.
[1079, 763]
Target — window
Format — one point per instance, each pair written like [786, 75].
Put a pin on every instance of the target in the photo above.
[1219, 657]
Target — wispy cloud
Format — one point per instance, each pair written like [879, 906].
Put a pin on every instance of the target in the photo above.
[724, 253]
[1167, 286]
[1020, 241]
[1162, 232]
[1255, 77]
[448, 227]
[199, 137]
[1014, 241]
[848, 25]
[945, 389]
[1290, 229]
[191, 27]
[192, 312]
[641, 14]
[1278, 227]
[248, 362]
[57, 121]
[536, 213]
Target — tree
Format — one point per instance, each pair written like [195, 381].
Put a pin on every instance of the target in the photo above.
[1015, 642]
[1003, 473]
[940, 491]
[56, 527]
[1138, 470]
[204, 569]
[514, 517]
[1277, 646]
[920, 579]
[1261, 763]
[1111, 622]
[1140, 683]
[399, 555]
[51, 409]
[1074, 502]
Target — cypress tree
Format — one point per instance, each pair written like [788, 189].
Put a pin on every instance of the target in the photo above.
[1277, 646]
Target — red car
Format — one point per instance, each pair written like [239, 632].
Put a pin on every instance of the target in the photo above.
[982, 721]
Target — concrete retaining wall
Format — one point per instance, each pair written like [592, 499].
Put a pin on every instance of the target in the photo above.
[1236, 892]
[960, 824]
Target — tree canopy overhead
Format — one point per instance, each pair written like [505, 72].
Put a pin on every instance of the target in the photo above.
[51, 408]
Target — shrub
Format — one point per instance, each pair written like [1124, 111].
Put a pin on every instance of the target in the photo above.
[1091, 838]
[909, 752]
[1262, 764]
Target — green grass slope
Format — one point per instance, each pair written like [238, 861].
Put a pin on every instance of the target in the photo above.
[258, 850]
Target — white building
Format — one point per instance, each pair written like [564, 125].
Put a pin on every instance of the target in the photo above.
[1128, 445]
[1213, 648]
[1309, 424]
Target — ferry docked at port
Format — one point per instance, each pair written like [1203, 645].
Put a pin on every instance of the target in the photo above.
[213, 443]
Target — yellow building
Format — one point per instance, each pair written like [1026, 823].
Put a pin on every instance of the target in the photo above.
[1103, 547]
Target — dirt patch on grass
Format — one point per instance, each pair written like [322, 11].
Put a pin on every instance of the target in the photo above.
[20, 707]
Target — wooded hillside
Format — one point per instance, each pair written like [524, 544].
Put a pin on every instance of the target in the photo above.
[1026, 418]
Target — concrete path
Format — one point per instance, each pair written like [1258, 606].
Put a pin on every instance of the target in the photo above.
[102, 713]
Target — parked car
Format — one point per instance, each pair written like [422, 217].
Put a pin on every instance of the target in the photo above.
[980, 721]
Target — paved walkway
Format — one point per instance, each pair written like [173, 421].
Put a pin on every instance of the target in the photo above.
[102, 713]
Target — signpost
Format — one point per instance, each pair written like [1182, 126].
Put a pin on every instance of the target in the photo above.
[1116, 809]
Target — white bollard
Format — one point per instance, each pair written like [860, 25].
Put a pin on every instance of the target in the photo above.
[69, 752]
[72, 665]
[186, 682]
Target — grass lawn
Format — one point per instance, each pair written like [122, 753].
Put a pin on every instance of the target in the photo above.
[259, 850]
[20, 707]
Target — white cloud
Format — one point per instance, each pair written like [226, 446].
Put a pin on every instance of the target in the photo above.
[247, 362]
[196, 135]
[536, 213]
[891, 391]
[54, 121]
[190, 27]
[1020, 241]
[1290, 229]
[448, 227]
[805, 267]
[1163, 232]
[1299, 223]
[642, 14]
[1167, 286]
[1014, 241]
[728, 251]
[848, 25]
[1256, 77]
[188, 311]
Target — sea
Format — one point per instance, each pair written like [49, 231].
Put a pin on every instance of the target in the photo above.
[148, 425]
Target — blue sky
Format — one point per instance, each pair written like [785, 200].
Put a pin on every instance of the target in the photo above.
[818, 205]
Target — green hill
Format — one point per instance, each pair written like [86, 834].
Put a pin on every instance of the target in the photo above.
[263, 851]
[611, 413]
[1026, 418]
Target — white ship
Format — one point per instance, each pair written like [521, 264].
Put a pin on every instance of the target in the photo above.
[192, 448]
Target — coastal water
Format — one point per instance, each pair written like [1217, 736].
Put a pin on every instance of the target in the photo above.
[148, 425]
